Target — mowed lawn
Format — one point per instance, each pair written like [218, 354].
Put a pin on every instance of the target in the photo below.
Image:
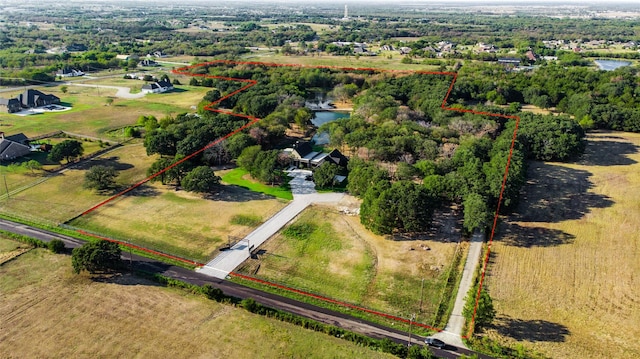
[47, 311]
[342, 260]
[564, 276]
[62, 197]
[179, 222]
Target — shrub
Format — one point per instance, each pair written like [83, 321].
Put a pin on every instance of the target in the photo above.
[56, 246]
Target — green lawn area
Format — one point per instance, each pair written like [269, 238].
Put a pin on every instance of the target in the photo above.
[313, 255]
[331, 254]
[238, 177]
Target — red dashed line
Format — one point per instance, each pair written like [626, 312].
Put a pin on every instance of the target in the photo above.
[252, 120]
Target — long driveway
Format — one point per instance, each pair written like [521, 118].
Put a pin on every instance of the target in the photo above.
[453, 331]
[304, 194]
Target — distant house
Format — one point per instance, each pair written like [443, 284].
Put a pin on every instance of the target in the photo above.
[157, 87]
[76, 47]
[303, 155]
[530, 56]
[12, 147]
[148, 63]
[29, 99]
[69, 72]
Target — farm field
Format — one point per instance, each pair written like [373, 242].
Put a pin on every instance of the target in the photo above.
[379, 62]
[564, 268]
[329, 253]
[43, 302]
[63, 196]
[180, 222]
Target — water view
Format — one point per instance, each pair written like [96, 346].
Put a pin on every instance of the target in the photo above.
[610, 65]
[322, 117]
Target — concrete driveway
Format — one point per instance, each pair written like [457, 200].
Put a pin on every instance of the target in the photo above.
[304, 194]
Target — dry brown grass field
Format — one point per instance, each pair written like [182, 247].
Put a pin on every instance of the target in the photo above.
[564, 271]
[179, 222]
[48, 312]
[62, 196]
[343, 260]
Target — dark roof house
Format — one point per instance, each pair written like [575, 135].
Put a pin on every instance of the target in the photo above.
[11, 149]
[12, 104]
[34, 98]
[303, 154]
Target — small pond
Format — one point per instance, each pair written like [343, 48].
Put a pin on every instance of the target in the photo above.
[322, 117]
[610, 65]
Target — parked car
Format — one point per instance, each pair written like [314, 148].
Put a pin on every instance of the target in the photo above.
[436, 343]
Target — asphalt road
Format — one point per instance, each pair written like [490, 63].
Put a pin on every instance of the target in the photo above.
[306, 310]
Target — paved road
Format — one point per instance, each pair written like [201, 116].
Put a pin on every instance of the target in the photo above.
[452, 332]
[235, 290]
[304, 194]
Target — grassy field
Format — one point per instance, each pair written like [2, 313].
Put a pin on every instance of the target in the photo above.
[46, 311]
[329, 253]
[180, 222]
[10, 249]
[90, 114]
[379, 62]
[240, 177]
[62, 196]
[564, 275]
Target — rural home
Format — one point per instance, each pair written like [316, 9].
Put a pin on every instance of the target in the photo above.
[14, 146]
[69, 72]
[29, 99]
[157, 87]
[303, 155]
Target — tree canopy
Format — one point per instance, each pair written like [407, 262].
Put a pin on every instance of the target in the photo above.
[96, 257]
[100, 178]
[66, 149]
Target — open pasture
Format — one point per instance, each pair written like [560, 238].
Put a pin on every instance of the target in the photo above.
[564, 270]
[70, 316]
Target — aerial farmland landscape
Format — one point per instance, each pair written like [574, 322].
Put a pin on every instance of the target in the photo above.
[319, 180]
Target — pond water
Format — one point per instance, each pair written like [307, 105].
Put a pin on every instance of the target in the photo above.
[322, 117]
[610, 65]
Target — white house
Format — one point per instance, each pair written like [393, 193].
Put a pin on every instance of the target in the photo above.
[157, 87]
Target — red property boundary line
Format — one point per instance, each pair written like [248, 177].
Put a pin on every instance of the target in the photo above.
[252, 120]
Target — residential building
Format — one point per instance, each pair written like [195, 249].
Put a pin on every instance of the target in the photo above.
[157, 87]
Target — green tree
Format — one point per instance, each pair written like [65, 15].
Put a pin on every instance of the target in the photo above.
[96, 257]
[476, 212]
[66, 149]
[324, 175]
[248, 157]
[485, 313]
[100, 178]
[201, 179]
[32, 165]
[162, 142]
[158, 167]
[64, 89]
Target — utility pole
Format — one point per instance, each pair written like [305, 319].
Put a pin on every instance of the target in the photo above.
[411, 319]
[6, 187]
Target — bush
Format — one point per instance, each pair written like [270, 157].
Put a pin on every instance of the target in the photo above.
[56, 246]
[97, 256]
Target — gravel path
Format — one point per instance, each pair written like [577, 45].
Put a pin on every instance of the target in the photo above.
[452, 332]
